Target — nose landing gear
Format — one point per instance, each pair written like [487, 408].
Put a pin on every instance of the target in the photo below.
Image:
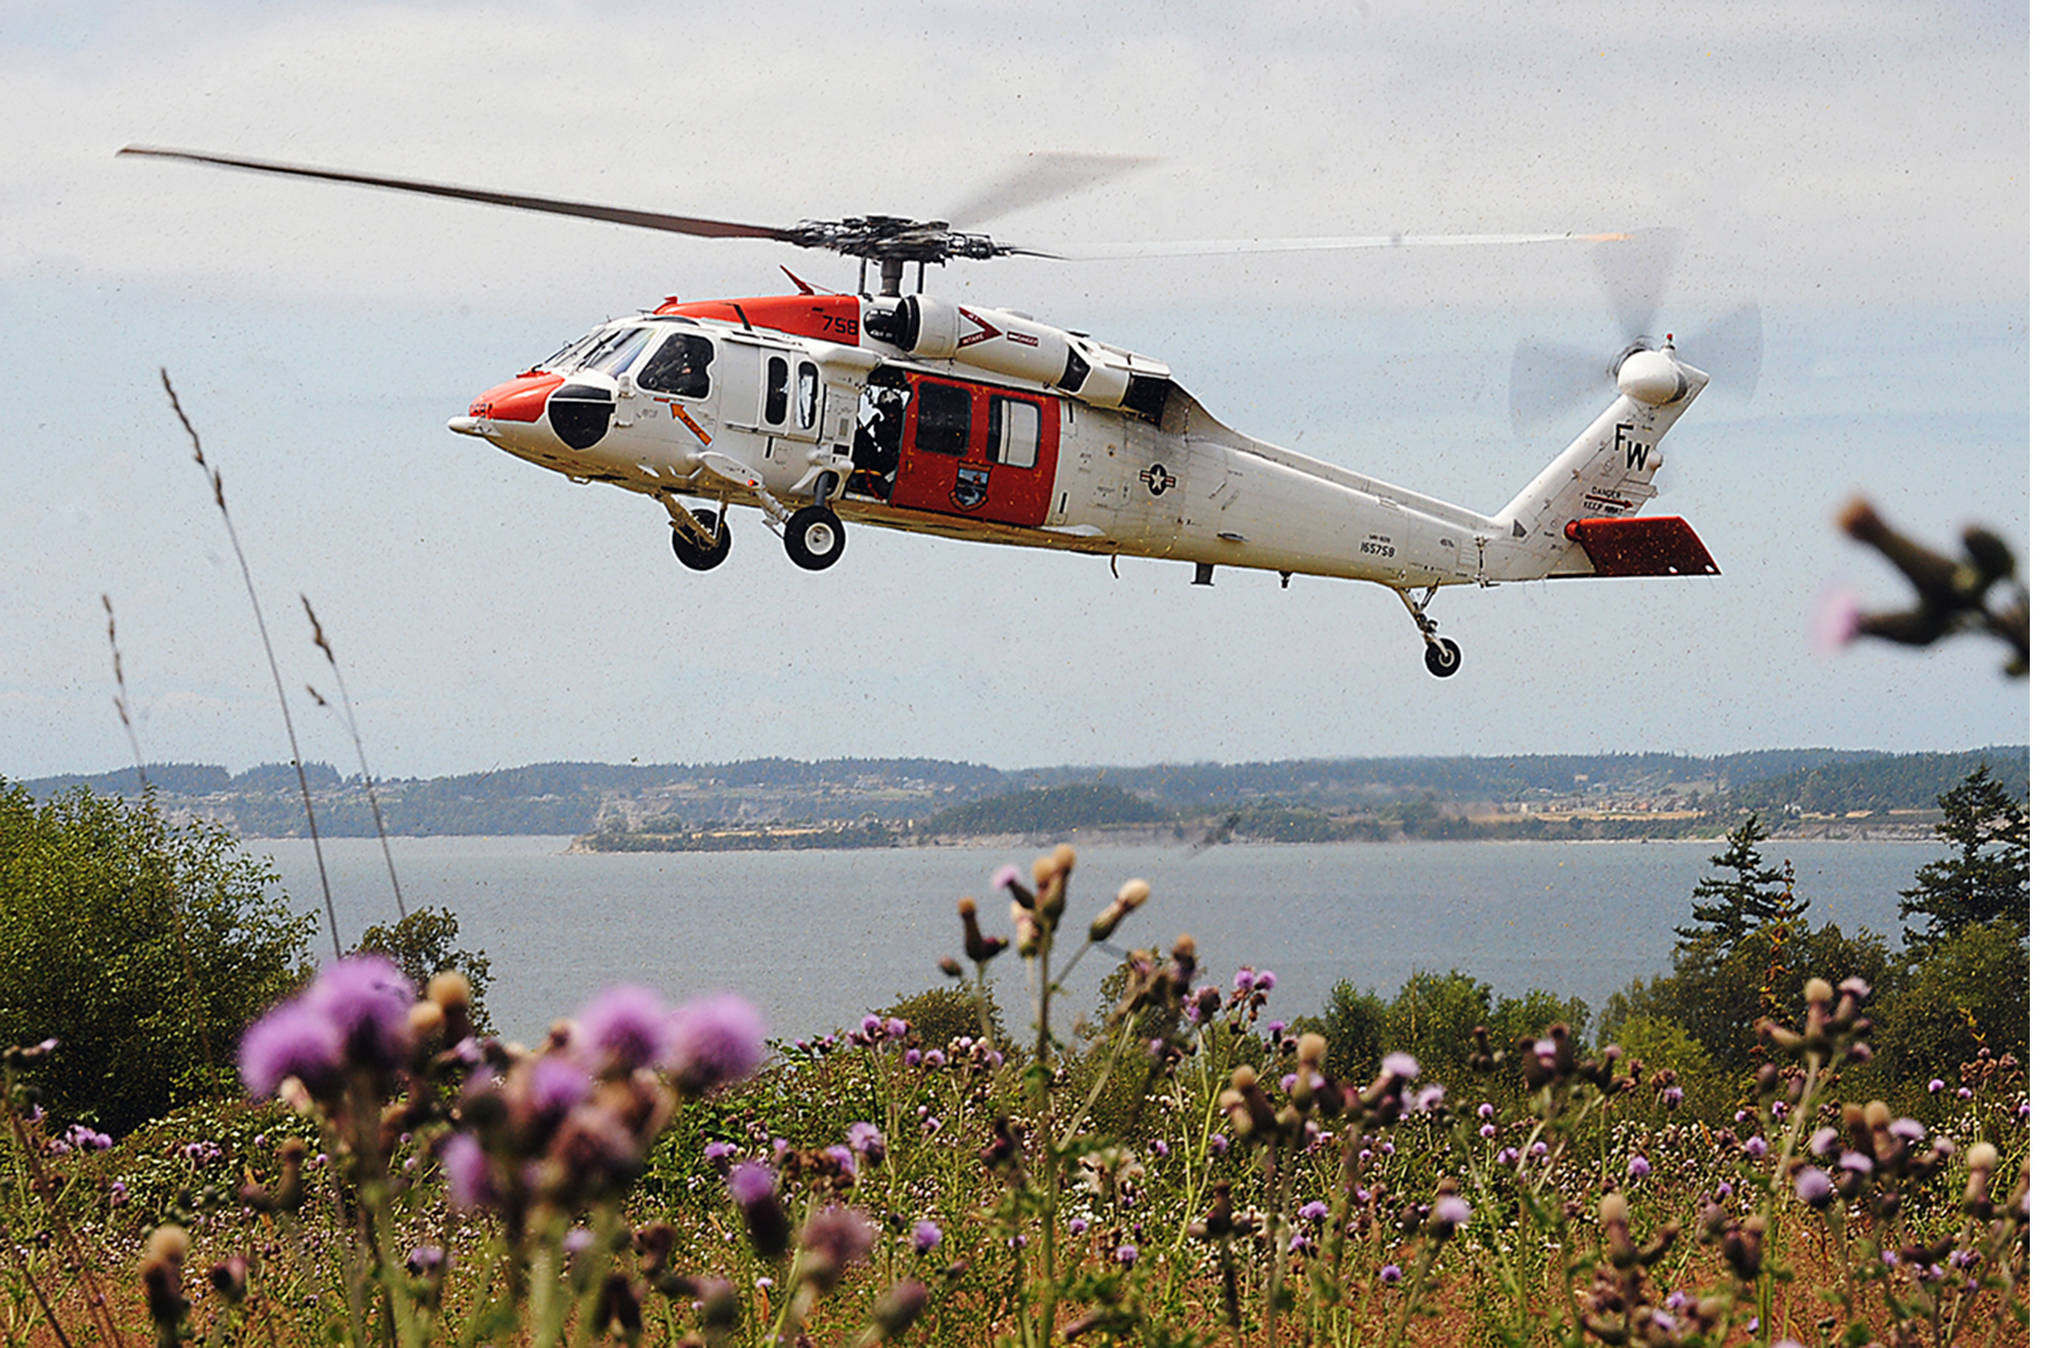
[1440, 655]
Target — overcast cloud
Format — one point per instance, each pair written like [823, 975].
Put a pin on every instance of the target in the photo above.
[1860, 169]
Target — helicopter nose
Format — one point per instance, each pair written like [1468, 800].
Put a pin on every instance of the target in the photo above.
[520, 399]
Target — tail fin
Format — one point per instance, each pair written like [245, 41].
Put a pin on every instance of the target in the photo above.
[1560, 524]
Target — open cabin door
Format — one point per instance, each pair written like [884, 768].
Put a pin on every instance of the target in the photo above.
[978, 452]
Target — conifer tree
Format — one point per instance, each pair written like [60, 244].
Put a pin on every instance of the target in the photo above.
[1986, 878]
[1724, 910]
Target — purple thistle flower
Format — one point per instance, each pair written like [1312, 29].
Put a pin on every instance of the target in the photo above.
[1450, 1213]
[925, 1237]
[912, 1057]
[1264, 981]
[1127, 1255]
[1401, 1066]
[1638, 1166]
[625, 1026]
[1836, 620]
[1823, 1141]
[1908, 1130]
[1813, 1186]
[713, 1041]
[552, 1087]
[1077, 1226]
[750, 1182]
[1756, 1147]
[1390, 1274]
[1936, 1085]
[933, 1058]
[370, 1003]
[866, 1140]
[471, 1185]
[1856, 1163]
[1314, 1210]
[1243, 981]
[1486, 1109]
[833, 1238]
[843, 1155]
[426, 1261]
[293, 1040]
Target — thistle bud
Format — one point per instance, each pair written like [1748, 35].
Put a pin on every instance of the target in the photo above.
[898, 1308]
[163, 1268]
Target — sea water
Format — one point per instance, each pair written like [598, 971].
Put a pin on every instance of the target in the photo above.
[815, 939]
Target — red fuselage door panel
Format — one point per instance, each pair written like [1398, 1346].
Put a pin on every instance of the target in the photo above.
[978, 452]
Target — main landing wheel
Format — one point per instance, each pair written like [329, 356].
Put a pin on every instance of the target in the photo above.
[1442, 657]
[690, 549]
[813, 537]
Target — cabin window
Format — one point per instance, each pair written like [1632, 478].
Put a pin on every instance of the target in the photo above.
[681, 366]
[806, 395]
[775, 407]
[945, 413]
[1013, 432]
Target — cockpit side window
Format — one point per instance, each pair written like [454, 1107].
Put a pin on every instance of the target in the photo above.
[681, 366]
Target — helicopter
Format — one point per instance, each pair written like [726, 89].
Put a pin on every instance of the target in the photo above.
[906, 410]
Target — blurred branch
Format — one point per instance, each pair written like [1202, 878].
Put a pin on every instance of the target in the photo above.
[1955, 594]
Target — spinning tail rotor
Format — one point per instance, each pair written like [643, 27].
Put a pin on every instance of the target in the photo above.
[1554, 381]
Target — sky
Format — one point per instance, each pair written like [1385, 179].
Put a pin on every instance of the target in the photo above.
[1858, 170]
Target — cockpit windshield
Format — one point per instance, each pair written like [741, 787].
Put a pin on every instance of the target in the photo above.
[607, 348]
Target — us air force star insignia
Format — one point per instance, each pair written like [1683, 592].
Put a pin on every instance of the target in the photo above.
[1157, 479]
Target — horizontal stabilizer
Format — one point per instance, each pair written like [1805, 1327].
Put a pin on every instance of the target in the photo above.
[1650, 545]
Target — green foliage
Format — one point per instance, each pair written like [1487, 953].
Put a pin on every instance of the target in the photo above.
[422, 944]
[1987, 878]
[1355, 1023]
[941, 1015]
[1716, 997]
[1752, 897]
[1052, 809]
[143, 949]
[1659, 1042]
[1966, 992]
[1433, 1016]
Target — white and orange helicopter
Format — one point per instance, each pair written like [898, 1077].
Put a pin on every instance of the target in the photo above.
[964, 421]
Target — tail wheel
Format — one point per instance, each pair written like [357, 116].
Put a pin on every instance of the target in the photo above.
[813, 537]
[1442, 657]
[690, 549]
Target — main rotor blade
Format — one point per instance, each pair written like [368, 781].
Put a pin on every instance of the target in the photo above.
[1106, 252]
[1047, 176]
[672, 224]
[1550, 379]
[1636, 274]
[1730, 350]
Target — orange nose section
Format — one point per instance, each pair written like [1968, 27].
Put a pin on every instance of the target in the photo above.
[521, 399]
